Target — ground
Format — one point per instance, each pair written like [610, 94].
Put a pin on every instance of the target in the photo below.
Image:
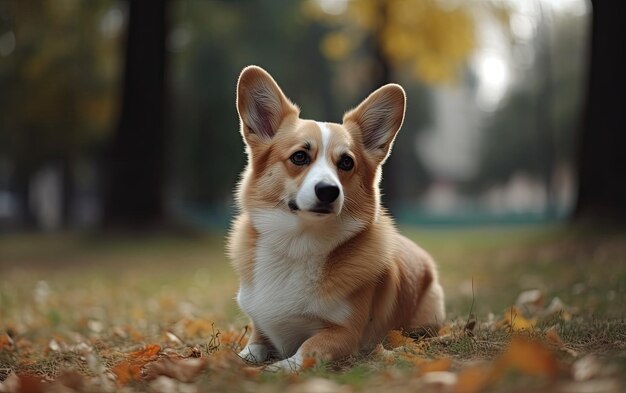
[535, 308]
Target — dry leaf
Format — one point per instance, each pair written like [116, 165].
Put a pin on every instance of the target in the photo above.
[199, 327]
[396, 339]
[514, 320]
[444, 331]
[10, 384]
[532, 299]
[232, 340]
[529, 357]
[184, 370]
[171, 337]
[586, 368]
[6, 342]
[474, 379]
[440, 380]
[380, 352]
[553, 338]
[130, 368]
[442, 364]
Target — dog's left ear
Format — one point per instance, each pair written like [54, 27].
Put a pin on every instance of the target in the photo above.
[261, 104]
[378, 118]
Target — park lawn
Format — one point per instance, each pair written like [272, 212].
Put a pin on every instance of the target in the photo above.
[156, 313]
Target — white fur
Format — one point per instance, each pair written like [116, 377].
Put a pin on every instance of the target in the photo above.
[289, 365]
[256, 353]
[282, 300]
[321, 170]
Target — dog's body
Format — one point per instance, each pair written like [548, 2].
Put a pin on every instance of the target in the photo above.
[323, 271]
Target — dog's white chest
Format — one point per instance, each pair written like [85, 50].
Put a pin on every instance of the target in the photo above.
[283, 299]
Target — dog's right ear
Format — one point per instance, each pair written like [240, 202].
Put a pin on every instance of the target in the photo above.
[261, 104]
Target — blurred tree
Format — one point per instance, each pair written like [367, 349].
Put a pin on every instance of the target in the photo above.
[57, 94]
[423, 37]
[602, 158]
[135, 159]
[212, 42]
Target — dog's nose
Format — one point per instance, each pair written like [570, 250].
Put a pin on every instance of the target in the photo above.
[325, 192]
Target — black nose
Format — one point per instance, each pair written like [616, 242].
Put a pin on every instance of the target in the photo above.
[325, 192]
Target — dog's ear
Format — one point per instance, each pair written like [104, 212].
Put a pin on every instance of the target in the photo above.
[261, 104]
[378, 119]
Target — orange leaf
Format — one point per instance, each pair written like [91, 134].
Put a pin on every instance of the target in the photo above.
[6, 342]
[126, 372]
[232, 339]
[474, 379]
[396, 339]
[130, 368]
[184, 370]
[199, 327]
[442, 364]
[529, 357]
[553, 338]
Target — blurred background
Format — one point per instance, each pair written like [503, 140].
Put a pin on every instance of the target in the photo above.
[121, 114]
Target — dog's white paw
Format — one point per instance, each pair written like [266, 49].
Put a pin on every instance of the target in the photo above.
[289, 365]
[255, 353]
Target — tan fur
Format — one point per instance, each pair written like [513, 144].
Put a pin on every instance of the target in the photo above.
[387, 280]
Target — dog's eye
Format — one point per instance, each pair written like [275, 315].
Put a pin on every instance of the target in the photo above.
[346, 163]
[300, 158]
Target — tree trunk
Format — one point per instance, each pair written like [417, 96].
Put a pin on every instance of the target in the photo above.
[602, 151]
[134, 162]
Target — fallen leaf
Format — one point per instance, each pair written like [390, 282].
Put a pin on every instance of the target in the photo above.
[184, 370]
[396, 339]
[474, 379]
[514, 320]
[232, 340]
[529, 357]
[130, 368]
[70, 379]
[315, 385]
[199, 327]
[532, 300]
[586, 368]
[442, 364]
[31, 384]
[444, 331]
[553, 338]
[10, 384]
[6, 342]
[439, 381]
[386, 355]
[171, 337]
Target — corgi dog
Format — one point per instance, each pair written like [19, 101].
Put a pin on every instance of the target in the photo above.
[323, 272]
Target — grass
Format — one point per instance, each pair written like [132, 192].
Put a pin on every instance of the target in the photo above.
[82, 303]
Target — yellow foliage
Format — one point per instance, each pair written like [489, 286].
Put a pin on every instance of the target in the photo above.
[431, 41]
[516, 321]
[336, 46]
[435, 41]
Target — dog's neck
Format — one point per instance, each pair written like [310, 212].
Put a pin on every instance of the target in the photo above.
[293, 237]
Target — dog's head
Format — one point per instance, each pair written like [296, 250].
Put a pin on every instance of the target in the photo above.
[310, 169]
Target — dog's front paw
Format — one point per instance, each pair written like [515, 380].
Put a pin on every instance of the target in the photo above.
[289, 365]
[255, 353]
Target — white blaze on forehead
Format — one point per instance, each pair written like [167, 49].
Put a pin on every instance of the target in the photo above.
[321, 171]
[325, 139]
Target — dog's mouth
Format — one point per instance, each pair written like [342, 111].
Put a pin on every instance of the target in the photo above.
[318, 210]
